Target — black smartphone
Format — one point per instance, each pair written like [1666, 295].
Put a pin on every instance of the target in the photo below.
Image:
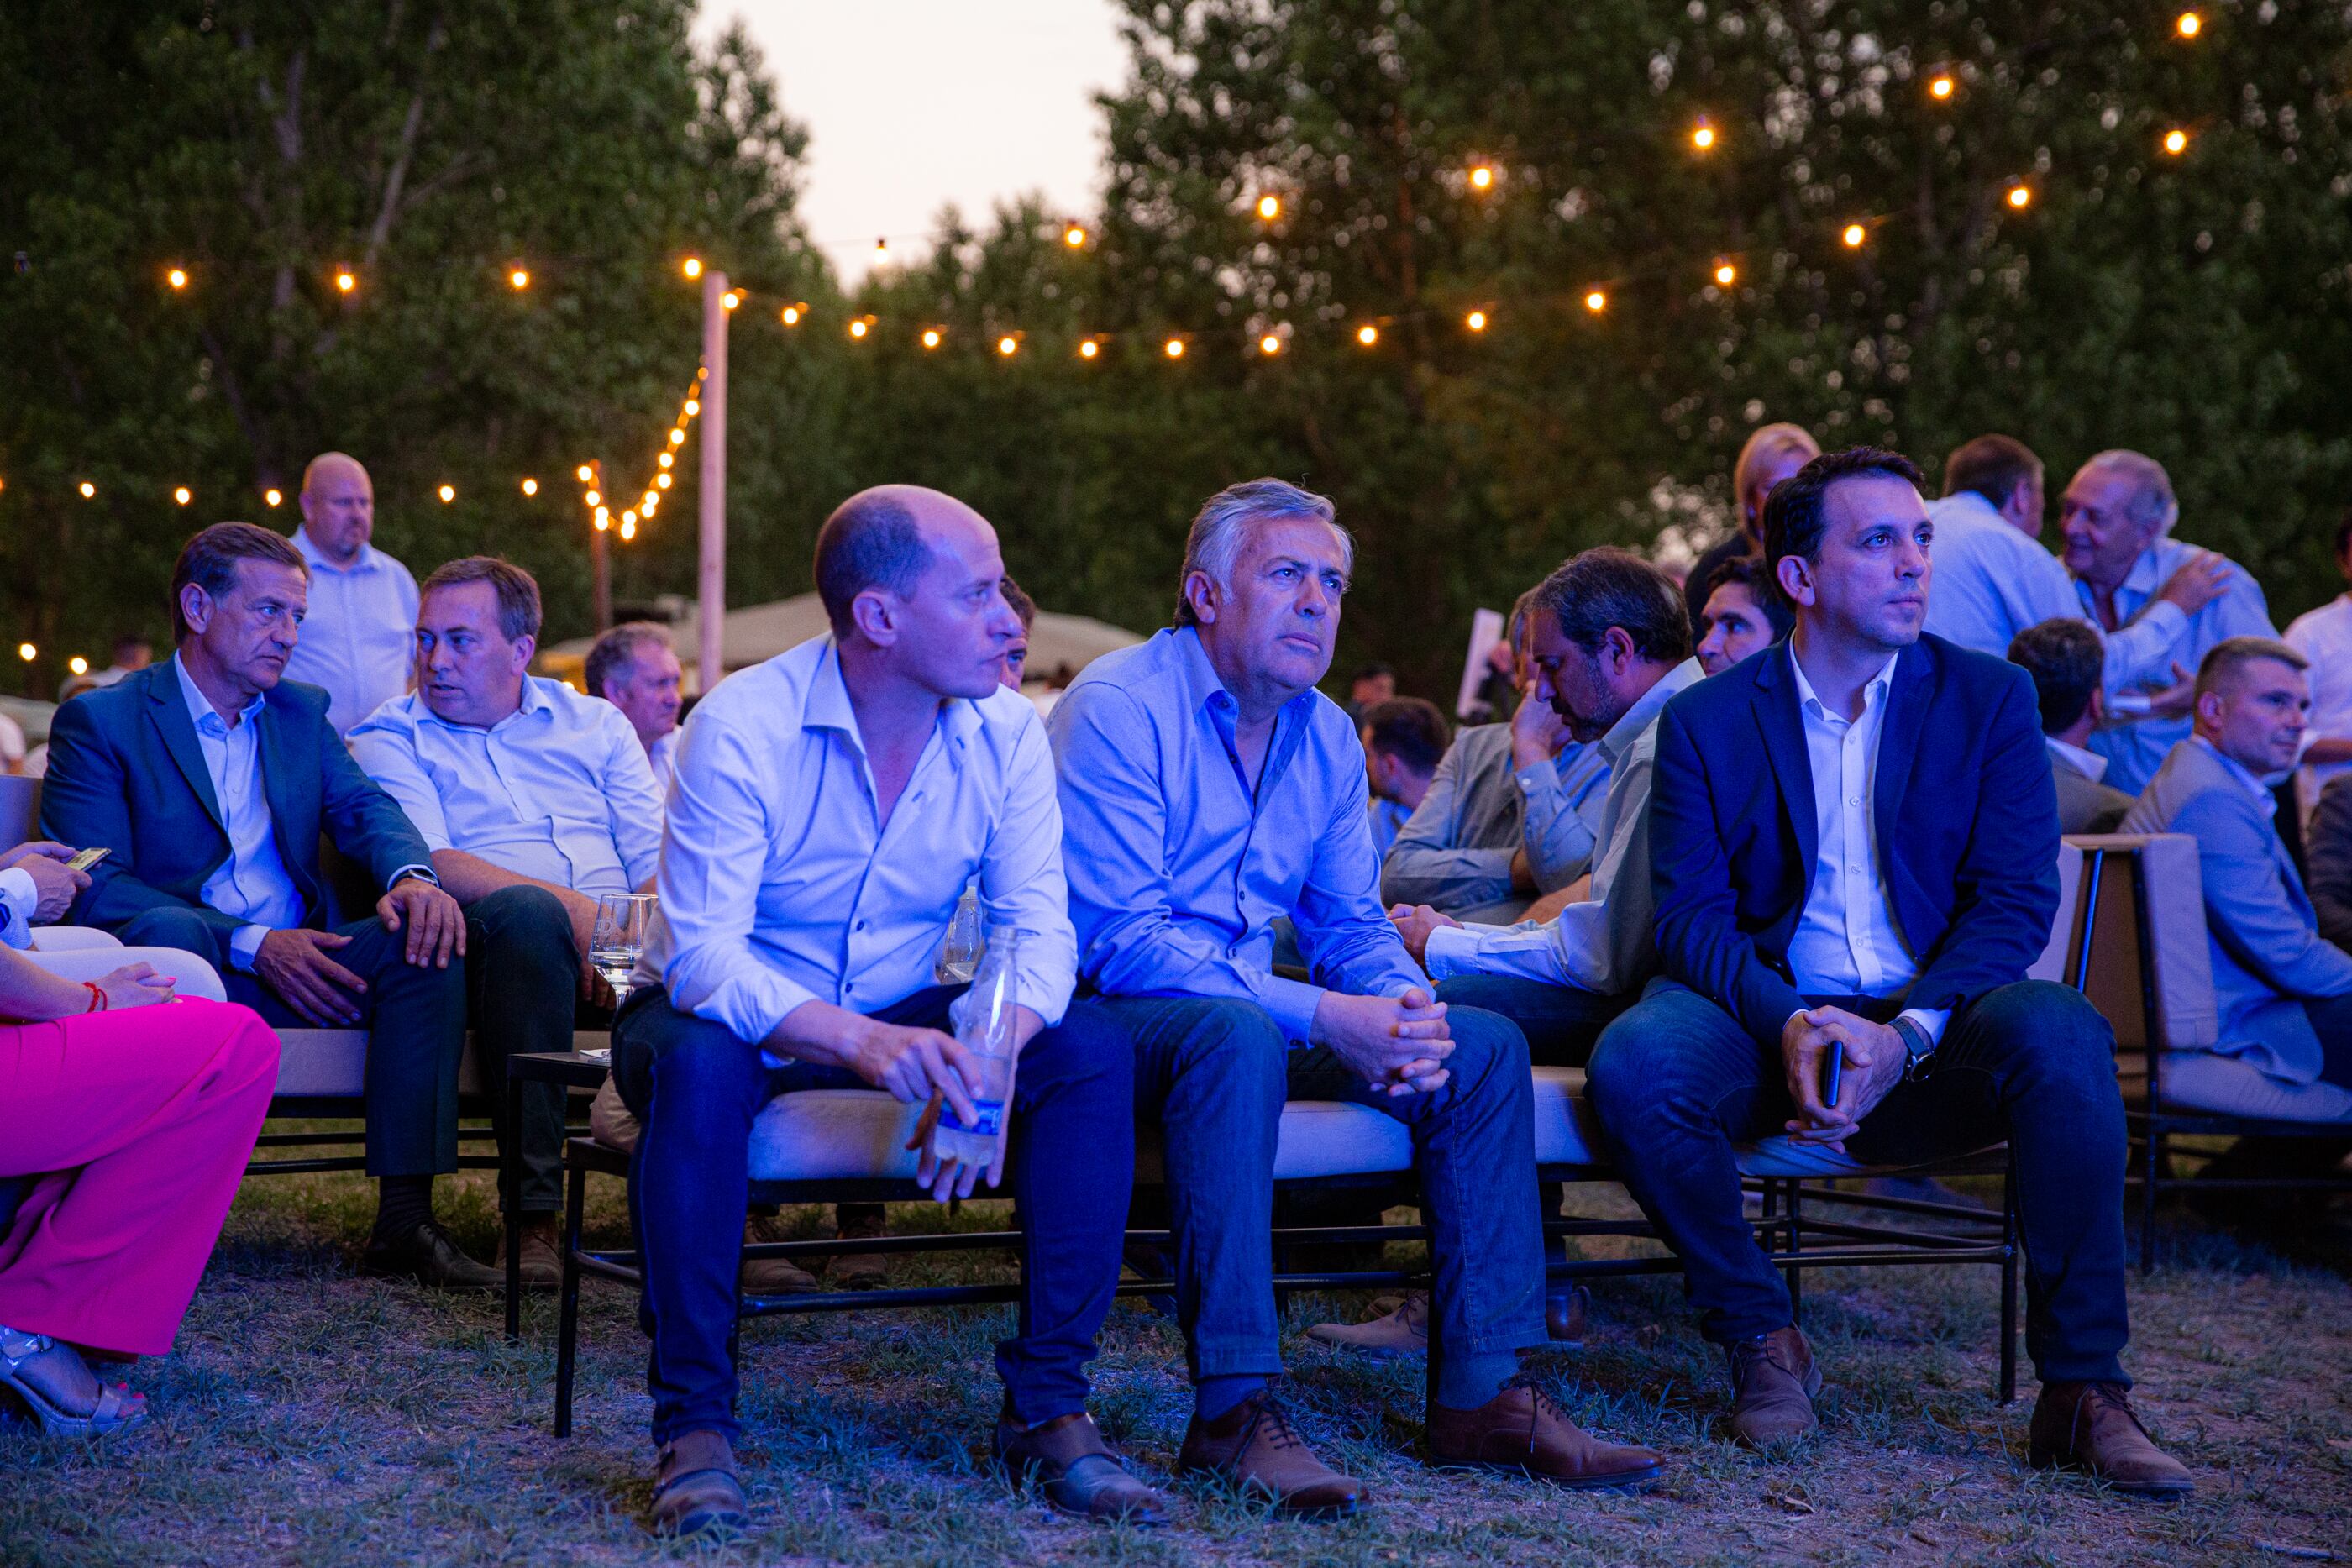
[85, 859]
[1833, 1069]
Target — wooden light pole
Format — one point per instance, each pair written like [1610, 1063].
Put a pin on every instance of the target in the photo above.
[600, 559]
[712, 576]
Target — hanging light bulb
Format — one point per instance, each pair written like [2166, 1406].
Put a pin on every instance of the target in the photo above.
[603, 519]
[1073, 234]
[1173, 348]
[1269, 207]
[677, 437]
[1940, 86]
[594, 498]
[881, 247]
[730, 299]
[666, 460]
[78, 664]
[177, 278]
[27, 653]
[693, 407]
[2189, 23]
[792, 315]
[1703, 136]
[1008, 345]
[1482, 177]
[691, 267]
[1853, 236]
[663, 480]
[585, 471]
[1596, 301]
[2176, 142]
[182, 496]
[346, 280]
[858, 329]
[519, 278]
[87, 489]
[1726, 274]
[2021, 196]
[273, 495]
[1475, 321]
[930, 337]
[1367, 334]
[1088, 348]
[447, 493]
[530, 487]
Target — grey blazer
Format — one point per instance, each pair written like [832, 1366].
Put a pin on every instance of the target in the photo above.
[2268, 955]
[2086, 805]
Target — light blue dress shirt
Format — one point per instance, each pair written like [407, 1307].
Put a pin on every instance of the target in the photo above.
[253, 884]
[782, 885]
[1178, 869]
[2136, 747]
[1991, 580]
[358, 631]
[558, 790]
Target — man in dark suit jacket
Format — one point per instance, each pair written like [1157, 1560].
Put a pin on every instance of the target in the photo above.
[2065, 658]
[211, 779]
[1853, 846]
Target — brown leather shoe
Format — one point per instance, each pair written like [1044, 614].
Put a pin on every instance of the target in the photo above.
[2090, 1426]
[1773, 1381]
[1077, 1470]
[1520, 1430]
[771, 1276]
[1256, 1448]
[696, 1489]
[542, 1258]
[1402, 1331]
[858, 1271]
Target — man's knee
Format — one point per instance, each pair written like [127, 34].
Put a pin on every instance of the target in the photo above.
[1489, 1055]
[524, 923]
[2054, 1026]
[671, 1063]
[1088, 1044]
[1238, 1040]
[1627, 1074]
[181, 928]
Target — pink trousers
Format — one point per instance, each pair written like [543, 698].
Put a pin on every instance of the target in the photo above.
[138, 1125]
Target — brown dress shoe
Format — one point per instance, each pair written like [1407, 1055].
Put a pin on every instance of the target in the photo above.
[696, 1489]
[859, 1270]
[2090, 1426]
[1078, 1473]
[1773, 1381]
[1520, 1429]
[1256, 1448]
[1402, 1331]
[542, 1259]
[770, 1276]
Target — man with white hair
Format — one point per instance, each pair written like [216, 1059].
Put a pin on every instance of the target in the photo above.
[635, 667]
[2117, 515]
[1207, 790]
[361, 629]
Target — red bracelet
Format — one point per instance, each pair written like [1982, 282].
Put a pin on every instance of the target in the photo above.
[98, 1003]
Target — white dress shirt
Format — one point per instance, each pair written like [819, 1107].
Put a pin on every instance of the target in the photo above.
[1846, 944]
[558, 790]
[19, 898]
[253, 884]
[2136, 747]
[1605, 944]
[2324, 636]
[663, 758]
[781, 886]
[359, 635]
[2089, 764]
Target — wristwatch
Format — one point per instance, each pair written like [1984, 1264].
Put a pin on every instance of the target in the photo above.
[1919, 1051]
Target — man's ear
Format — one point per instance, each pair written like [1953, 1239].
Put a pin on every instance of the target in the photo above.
[525, 648]
[196, 608]
[1619, 645]
[873, 613]
[2098, 709]
[1201, 593]
[2209, 710]
[1795, 575]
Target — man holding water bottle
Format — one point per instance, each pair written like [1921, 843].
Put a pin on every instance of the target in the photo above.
[536, 802]
[829, 808]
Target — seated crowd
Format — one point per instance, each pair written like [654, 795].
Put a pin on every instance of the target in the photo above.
[1806, 805]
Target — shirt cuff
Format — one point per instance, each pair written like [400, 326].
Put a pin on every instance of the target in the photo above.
[1293, 1003]
[423, 872]
[1931, 1021]
[1453, 951]
[18, 899]
[243, 944]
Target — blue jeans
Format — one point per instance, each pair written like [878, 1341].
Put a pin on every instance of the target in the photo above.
[1677, 1081]
[1562, 1023]
[1214, 1074]
[697, 1087]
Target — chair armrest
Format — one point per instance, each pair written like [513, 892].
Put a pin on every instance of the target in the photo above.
[71, 939]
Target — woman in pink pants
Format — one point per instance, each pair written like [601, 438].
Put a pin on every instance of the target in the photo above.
[134, 1123]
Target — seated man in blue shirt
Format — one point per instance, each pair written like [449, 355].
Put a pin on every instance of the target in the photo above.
[534, 800]
[1854, 848]
[828, 809]
[1207, 789]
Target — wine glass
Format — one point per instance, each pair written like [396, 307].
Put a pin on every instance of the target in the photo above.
[619, 937]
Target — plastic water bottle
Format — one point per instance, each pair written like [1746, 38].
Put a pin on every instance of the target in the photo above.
[984, 1024]
[959, 958]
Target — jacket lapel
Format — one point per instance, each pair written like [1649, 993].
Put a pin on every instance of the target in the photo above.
[1898, 742]
[1784, 743]
[168, 709]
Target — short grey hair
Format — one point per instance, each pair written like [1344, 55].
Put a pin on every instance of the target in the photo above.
[617, 649]
[2224, 659]
[2152, 499]
[1213, 546]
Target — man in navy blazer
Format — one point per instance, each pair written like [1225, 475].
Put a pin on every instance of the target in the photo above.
[1854, 848]
[211, 780]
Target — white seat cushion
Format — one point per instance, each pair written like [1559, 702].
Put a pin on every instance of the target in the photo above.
[1317, 1138]
[2200, 1081]
[833, 1135]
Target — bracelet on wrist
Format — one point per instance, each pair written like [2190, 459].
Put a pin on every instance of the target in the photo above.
[98, 998]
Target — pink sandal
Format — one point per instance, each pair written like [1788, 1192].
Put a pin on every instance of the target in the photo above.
[118, 1407]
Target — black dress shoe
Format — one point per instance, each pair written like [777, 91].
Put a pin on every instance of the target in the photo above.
[424, 1253]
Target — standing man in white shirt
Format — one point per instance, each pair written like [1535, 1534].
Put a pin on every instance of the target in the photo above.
[829, 808]
[635, 667]
[356, 641]
[534, 800]
[2324, 636]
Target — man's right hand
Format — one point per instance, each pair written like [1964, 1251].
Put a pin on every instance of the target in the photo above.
[913, 1064]
[1537, 732]
[1397, 1045]
[55, 883]
[2197, 582]
[294, 965]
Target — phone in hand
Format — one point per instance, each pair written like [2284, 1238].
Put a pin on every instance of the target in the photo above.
[85, 859]
[1833, 1069]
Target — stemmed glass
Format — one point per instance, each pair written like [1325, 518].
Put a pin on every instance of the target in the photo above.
[620, 935]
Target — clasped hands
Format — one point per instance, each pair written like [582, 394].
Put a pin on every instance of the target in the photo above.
[1396, 1045]
[1875, 1063]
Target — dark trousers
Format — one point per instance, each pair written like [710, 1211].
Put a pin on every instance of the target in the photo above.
[1562, 1023]
[522, 995]
[1677, 1081]
[415, 1019]
[1214, 1074]
[697, 1089]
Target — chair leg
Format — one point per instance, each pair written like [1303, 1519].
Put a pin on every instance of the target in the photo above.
[510, 1204]
[1796, 1244]
[2009, 1284]
[567, 1318]
[2155, 1145]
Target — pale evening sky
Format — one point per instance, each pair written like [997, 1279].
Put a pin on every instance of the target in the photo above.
[913, 104]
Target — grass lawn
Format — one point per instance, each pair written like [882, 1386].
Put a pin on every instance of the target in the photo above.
[311, 1416]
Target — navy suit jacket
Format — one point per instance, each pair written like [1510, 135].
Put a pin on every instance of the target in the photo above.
[126, 772]
[1966, 818]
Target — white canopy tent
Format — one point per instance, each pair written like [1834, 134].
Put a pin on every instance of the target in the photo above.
[760, 632]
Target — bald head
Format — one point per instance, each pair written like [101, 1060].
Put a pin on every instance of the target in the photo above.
[338, 507]
[884, 541]
[914, 585]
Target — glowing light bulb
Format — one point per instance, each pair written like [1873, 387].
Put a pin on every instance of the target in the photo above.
[1482, 178]
[858, 329]
[691, 267]
[628, 528]
[677, 438]
[1853, 236]
[1089, 349]
[585, 473]
[1726, 274]
[1075, 236]
[1703, 136]
[1269, 207]
[1940, 87]
[2189, 25]
[530, 487]
[730, 299]
[882, 246]
[177, 278]
[519, 278]
[930, 337]
[27, 653]
[346, 281]
[2021, 196]
[792, 315]
[78, 664]
[594, 498]
[273, 495]
[1174, 348]
[87, 489]
[693, 407]
[1596, 301]
[1367, 334]
[663, 481]
[182, 496]
[603, 518]
[648, 501]
[666, 460]
[1269, 344]
[1475, 321]
[447, 493]
[1008, 345]
[2176, 142]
